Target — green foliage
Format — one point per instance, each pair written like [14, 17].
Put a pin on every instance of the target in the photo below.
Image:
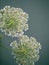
[1, 37]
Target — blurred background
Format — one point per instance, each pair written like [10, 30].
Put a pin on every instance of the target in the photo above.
[38, 22]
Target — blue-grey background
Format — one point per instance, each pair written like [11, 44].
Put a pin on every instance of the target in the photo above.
[38, 22]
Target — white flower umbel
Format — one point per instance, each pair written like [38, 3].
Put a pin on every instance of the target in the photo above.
[13, 21]
[26, 52]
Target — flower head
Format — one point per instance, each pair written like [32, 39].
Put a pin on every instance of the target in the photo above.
[13, 21]
[26, 52]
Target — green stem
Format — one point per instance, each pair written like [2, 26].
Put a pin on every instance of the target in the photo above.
[17, 50]
[3, 46]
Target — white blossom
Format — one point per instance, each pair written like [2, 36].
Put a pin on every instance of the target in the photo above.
[13, 21]
[26, 52]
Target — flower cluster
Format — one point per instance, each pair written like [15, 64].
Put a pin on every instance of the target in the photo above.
[26, 52]
[13, 21]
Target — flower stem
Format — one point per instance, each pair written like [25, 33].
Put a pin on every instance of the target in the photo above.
[3, 46]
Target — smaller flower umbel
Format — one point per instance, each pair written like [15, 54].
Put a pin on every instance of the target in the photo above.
[13, 21]
[26, 52]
